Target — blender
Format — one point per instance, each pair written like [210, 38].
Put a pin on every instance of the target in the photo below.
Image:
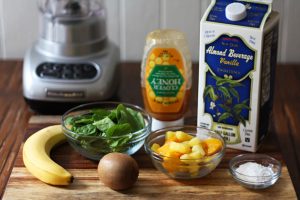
[73, 61]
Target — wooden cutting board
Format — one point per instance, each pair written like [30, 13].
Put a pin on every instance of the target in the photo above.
[151, 183]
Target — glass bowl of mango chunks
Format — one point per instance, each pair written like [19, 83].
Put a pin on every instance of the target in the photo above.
[185, 152]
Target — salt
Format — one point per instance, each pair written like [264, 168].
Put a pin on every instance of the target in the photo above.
[254, 172]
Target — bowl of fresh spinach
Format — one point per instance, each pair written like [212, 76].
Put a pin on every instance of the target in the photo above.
[95, 129]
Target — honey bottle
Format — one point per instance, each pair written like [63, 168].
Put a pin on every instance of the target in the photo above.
[166, 77]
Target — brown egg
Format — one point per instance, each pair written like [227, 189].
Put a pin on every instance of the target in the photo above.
[118, 171]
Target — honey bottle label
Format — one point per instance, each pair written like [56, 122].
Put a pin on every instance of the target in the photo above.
[165, 80]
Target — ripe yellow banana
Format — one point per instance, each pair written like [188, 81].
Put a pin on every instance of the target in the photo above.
[36, 156]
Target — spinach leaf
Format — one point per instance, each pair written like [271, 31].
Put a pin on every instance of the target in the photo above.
[125, 116]
[113, 116]
[69, 121]
[114, 126]
[139, 120]
[88, 129]
[99, 114]
[83, 119]
[120, 144]
[104, 124]
[119, 130]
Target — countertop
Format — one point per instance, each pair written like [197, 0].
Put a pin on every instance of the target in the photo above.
[15, 114]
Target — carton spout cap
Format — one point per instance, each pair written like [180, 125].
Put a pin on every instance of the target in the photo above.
[235, 11]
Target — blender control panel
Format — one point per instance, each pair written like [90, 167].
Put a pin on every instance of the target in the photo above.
[65, 71]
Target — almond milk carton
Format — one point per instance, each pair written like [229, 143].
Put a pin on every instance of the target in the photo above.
[238, 49]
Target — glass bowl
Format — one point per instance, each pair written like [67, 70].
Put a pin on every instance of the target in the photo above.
[255, 182]
[95, 145]
[184, 168]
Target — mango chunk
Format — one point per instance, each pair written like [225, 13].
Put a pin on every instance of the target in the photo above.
[155, 147]
[196, 155]
[185, 158]
[183, 152]
[211, 146]
[198, 148]
[182, 136]
[172, 154]
[171, 164]
[164, 149]
[186, 142]
[180, 147]
[194, 141]
[171, 136]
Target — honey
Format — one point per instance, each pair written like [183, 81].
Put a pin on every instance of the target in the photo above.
[166, 76]
[168, 116]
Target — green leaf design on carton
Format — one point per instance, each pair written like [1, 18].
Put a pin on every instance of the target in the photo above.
[225, 92]
[224, 116]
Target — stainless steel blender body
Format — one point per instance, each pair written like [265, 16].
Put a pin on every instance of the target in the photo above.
[72, 61]
[72, 34]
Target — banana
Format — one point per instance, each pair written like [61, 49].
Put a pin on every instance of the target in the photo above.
[36, 156]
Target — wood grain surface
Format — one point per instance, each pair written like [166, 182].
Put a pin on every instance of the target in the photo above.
[151, 183]
[15, 114]
[286, 113]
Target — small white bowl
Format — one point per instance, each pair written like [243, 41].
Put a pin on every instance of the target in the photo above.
[255, 182]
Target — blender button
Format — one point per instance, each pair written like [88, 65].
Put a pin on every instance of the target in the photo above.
[88, 68]
[46, 74]
[50, 66]
[67, 67]
[49, 71]
[44, 66]
[68, 71]
[78, 68]
[78, 76]
[90, 75]
[67, 76]
[57, 67]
